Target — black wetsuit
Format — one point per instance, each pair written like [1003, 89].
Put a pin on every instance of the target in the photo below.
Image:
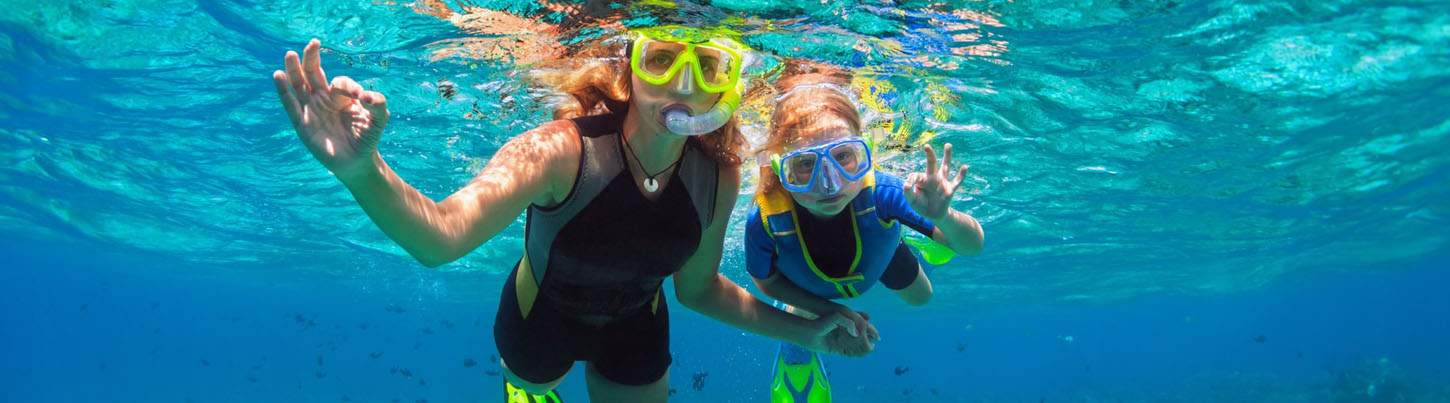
[600, 258]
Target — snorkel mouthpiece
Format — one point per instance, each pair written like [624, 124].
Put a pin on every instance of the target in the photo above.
[679, 121]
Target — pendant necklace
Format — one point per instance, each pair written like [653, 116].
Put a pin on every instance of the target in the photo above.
[650, 184]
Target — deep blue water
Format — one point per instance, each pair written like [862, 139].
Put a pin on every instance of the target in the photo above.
[1183, 200]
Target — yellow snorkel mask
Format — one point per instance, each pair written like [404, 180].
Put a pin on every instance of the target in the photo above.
[711, 59]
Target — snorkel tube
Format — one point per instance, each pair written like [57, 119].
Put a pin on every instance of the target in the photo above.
[680, 122]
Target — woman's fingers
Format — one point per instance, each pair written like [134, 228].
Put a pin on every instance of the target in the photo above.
[294, 75]
[312, 65]
[289, 101]
[377, 106]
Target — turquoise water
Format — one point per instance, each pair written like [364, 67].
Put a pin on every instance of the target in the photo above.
[1183, 200]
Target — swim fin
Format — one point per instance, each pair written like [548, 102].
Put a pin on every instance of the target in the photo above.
[931, 251]
[800, 377]
[512, 394]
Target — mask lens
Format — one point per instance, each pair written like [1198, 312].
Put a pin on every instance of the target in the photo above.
[716, 65]
[851, 157]
[796, 170]
[657, 57]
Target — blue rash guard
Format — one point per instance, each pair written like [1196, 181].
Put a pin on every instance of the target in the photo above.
[849, 253]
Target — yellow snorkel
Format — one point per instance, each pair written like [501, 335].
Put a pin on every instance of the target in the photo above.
[712, 58]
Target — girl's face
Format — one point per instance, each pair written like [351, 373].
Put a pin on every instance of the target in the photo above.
[823, 204]
[652, 101]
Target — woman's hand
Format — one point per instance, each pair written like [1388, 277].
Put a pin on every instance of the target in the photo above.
[930, 192]
[340, 123]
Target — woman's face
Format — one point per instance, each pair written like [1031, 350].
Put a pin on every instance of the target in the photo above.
[680, 92]
[825, 130]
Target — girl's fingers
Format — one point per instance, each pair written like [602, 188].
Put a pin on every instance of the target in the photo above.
[294, 75]
[931, 166]
[961, 177]
[946, 156]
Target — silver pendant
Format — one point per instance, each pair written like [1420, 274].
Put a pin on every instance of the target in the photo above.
[651, 185]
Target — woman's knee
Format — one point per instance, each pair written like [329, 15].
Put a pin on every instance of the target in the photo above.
[531, 387]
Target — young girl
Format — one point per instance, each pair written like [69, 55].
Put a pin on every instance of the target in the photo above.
[827, 224]
[633, 184]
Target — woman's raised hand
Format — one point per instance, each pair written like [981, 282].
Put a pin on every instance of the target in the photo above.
[339, 122]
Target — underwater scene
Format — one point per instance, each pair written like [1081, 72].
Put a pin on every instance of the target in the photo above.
[1176, 201]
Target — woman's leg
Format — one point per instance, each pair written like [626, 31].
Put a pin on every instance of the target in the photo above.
[603, 390]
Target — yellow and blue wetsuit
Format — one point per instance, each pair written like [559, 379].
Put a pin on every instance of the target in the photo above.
[843, 257]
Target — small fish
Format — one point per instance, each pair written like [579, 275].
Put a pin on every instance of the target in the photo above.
[319, 360]
[961, 347]
[422, 382]
[673, 391]
[251, 379]
[427, 330]
[320, 374]
[346, 399]
[375, 355]
[205, 363]
[447, 324]
[469, 363]
[362, 326]
[84, 306]
[1260, 339]
[406, 373]
[491, 373]
[393, 370]
[901, 370]
[698, 380]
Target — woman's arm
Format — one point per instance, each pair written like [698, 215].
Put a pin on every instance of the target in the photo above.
[700, 286]
[340, 123]
[781, 288]
[522, 172]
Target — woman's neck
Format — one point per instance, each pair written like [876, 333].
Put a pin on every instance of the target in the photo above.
[654, 146]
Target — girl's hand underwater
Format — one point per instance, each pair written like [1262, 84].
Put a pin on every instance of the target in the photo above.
[340, 123]
[837, 333]
[930, 192]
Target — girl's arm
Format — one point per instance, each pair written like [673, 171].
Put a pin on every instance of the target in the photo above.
[959, 231]
[930, 195]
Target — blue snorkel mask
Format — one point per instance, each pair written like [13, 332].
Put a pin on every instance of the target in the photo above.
[824, 169]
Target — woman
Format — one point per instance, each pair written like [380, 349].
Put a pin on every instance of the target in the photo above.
[639, 190]
[827, 224]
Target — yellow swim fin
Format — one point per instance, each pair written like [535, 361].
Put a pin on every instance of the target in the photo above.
[800, 377]
[512, 394]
